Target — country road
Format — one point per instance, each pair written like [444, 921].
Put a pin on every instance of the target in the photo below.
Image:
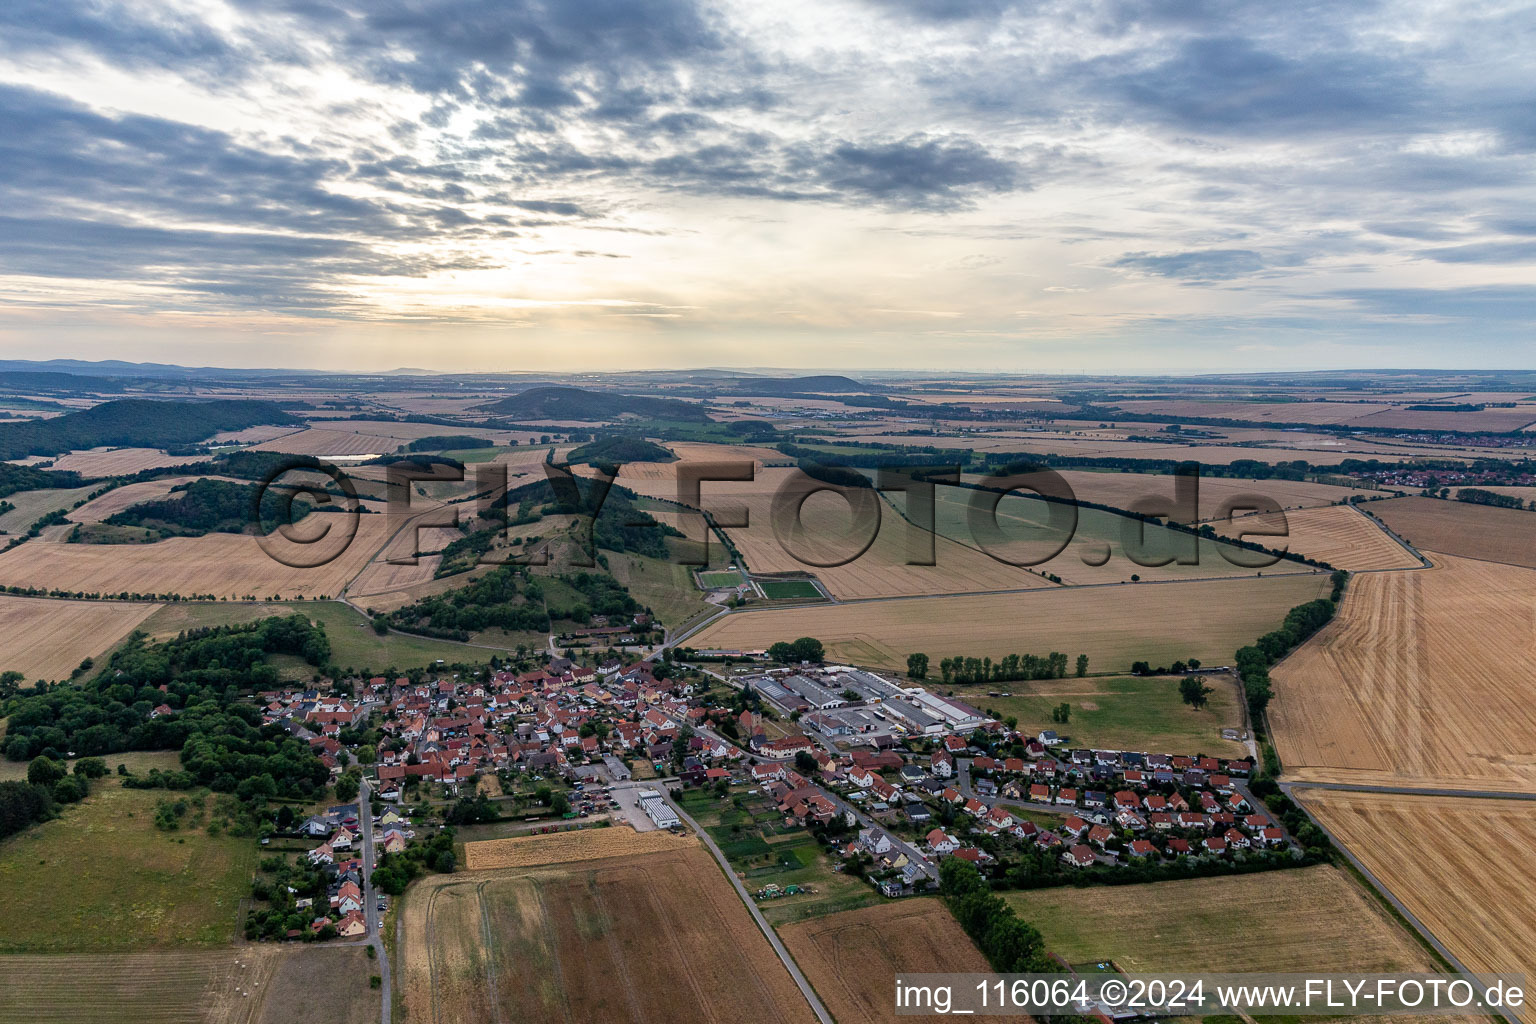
[370, 899]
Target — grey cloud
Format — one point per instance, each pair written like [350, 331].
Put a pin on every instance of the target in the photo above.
[132, 35]
[1507, 302]
[1483, 252]
[917, 170]
[1195, 265]
[1231, 84]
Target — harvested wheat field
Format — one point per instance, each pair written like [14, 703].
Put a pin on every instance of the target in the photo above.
[33, 505]
[1461, 866]
[120, 461]
[1113, 625]
[1308, 919]
[565, 847]
[226, 986]
[1461, 528]
[852, 958]
[321, 441]
[659, 936]
[120, 498]
[47, 639]
[1121, 490]
[221, 564]
[1423, 678]
[340, 972]
[1337, 534]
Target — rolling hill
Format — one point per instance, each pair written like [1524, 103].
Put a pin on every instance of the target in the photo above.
[563, 403]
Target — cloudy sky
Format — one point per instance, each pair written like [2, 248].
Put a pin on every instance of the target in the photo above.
[1103, 185]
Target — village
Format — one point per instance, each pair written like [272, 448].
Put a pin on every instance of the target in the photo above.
[889, 777]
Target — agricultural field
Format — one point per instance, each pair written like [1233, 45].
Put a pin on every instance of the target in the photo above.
[33, 505]
[1120, 714]
[120, 498]
[336, 975]
[1122, 490]
[1421, 679]
[1113, 625]
[567, 847]
[851, 958]
[1360, 414]
[102, 878]
[1461, 866]
[1336, 534]
[1088, 446]
[1030, 530]
[323, 441]
[658, 936]
[1461, 528]
[119, 461]
[47, 639]
[215, 986]
[1306, 919]
[223, 564]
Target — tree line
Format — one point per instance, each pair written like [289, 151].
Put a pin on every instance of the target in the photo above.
[1253, 661]
[961, 669]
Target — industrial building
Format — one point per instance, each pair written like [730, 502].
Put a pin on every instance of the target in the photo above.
[657, 809]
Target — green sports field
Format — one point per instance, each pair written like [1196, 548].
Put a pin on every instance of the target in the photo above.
[716, 580]
[788, 590]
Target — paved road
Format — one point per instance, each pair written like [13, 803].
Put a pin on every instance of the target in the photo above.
[913, 854]
[370, 899]
[757, 915]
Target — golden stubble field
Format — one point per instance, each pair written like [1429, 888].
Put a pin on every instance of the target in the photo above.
[852, 958]
[251, 984]
[117, 461]
[643, 937]
[1122, 489]
[120, 498]
[47, 639]
[1460, 528]
[216, 986]
[1113, 625]
[1461, 866]
[567, 847]
[1423, 678]
[1336, 534]
[222, 564]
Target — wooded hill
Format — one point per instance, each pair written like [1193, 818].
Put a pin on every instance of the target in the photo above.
[561, 403]
[211, 506]
[137, 422]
